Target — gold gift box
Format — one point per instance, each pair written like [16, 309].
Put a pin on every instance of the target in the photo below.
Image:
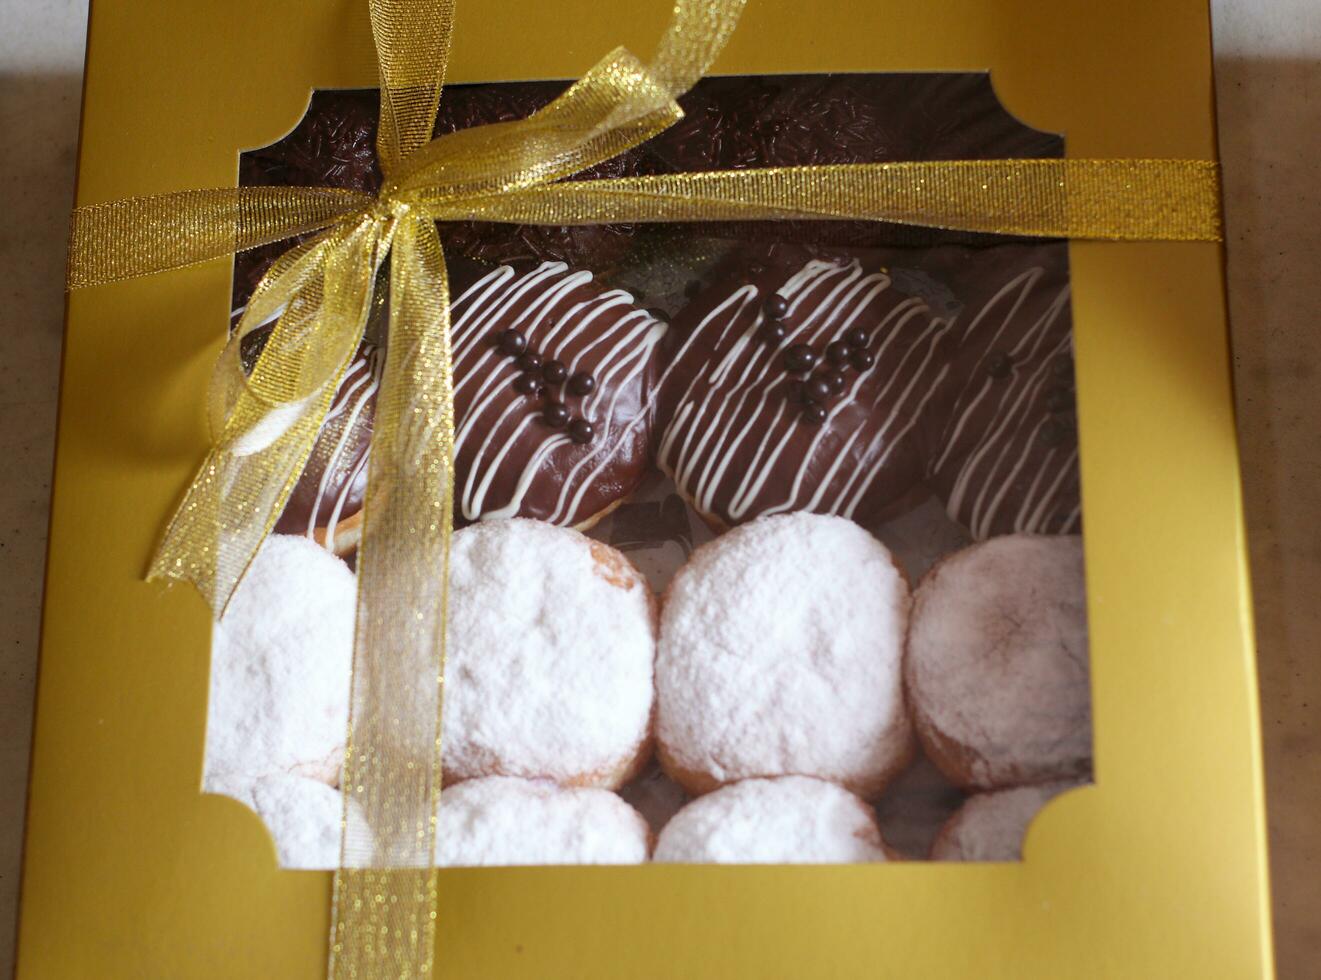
[1158, 870]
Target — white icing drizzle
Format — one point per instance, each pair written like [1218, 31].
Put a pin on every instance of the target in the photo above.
[1009, 449]
[604, 334]
[356, 391]
[737, 400]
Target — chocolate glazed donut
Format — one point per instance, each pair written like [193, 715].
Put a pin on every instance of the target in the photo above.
[554, 377]
[797, 384]
[1004, 457]
[553, 386]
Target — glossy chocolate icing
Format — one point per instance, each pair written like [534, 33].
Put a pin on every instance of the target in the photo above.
[334, 481]
[512, 460]
[738, 432]
[1004, 455]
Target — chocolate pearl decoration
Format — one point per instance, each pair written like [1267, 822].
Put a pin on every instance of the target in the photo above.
[582, 383]
[837, 352]
[816, 390]
[814, 414]
[771, 333]
[556, 415]
[857, 337]
[554, 372]
[512, 342]
[835, 381]
[776, 306]
[862, 360]
[581, 431]
[800, 358]
[998, 365]
[528, 384]
[1059, 400]
[530, 362]
[1054, 432]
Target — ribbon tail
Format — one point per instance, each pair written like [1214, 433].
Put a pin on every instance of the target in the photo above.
[392, 773]
[241, 488]
[138, 236]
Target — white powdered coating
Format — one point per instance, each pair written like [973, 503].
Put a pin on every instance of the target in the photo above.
[992, 826]
[505, 821]
[997, 662]
[551, 649]
[790, 820]
[780, 654]
[280, 666]
[303, 816]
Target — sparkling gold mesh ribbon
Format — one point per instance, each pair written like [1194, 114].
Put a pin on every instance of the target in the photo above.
[320, 293]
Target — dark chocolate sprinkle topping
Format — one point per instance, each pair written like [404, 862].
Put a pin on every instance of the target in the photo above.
[817, 390]
[581, 431]
[800, 358]
[512, 342]
[556, 415]
[814, 414]
[1055, 432]
[1059, 400]
[998, 365]
[837, 352]
[529, 384]
[582, 383]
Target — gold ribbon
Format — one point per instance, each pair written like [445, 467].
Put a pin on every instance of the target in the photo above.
[320, 293]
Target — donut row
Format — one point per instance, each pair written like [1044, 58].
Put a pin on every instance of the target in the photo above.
[787, 649]
[502, 821]
[791, 379]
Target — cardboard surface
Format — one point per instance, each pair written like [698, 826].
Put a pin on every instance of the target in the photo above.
[1156, 871]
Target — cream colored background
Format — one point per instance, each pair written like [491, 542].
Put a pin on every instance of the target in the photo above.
[1269, 78]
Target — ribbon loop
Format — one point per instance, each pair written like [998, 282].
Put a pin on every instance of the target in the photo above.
[614, 107]
[269, 431]
[412, 51]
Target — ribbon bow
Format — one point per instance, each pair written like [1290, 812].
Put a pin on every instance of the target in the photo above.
[320, 293]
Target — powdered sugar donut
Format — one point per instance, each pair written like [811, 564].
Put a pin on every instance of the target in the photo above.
[505, 821]
[780, 654]
[551, 649]
[991, 826]
[790, 820]
[303, 816]
[997, 663]
[280, 665]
